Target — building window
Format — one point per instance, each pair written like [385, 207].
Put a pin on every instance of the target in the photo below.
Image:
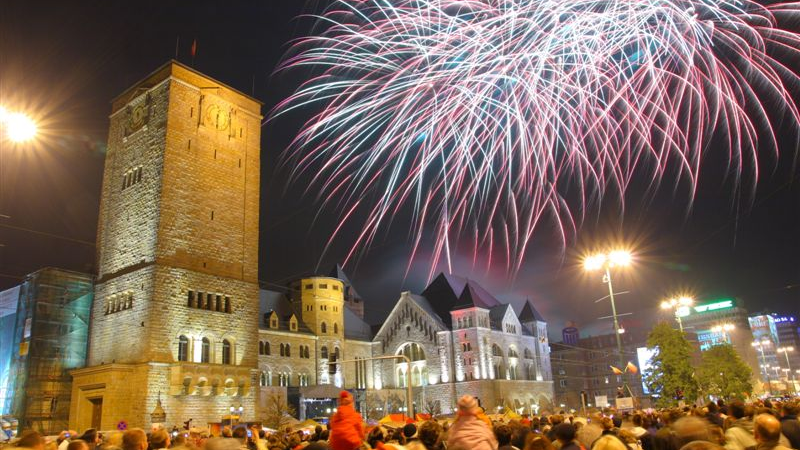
[227, 305]
[335, 287]
[562, 383]
[190, 299]
[335, 328]
[266, 348]
[226, 351]
[288, 351]
[293, 325]
[496, 351]
[283, 350]
[260, 347]
[219, 303]
[183, 348]
[309, 287]
[336, 353]
[323, 328]
[205, 353]
[323, 286]
[323, 353]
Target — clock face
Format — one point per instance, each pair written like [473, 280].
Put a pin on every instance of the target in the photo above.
[138, 115]
[216, 117]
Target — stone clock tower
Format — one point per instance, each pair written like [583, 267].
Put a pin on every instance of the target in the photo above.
[175, 312]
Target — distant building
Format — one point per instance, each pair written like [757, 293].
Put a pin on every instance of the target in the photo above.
[788, 336]
[704, 318]
[44, 326]
[570, 335]
[585, 366]
[765, 332]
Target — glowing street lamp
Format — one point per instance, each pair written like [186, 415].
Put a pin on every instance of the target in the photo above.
[605, 262]
[724, 329]
[785, 351]
[17, 126]
[680, 305]
[760, 346]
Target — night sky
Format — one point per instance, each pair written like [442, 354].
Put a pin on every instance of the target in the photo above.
[65, 61]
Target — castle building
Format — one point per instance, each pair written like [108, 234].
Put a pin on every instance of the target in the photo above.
[180, 326]
[175, 313]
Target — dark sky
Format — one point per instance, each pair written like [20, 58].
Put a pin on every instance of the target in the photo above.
[65, 61]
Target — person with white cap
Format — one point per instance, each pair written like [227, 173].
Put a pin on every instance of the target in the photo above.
[469, 430]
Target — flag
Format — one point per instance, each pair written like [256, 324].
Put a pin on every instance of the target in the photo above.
[631, 368]
[615, 370]
[194, 47]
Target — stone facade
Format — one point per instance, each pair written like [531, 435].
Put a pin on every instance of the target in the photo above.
[175, 308]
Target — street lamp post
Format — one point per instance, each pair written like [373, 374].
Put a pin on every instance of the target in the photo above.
[760, 346]
[606, 261]
[785, 351]
[679, 304]
[724, 329]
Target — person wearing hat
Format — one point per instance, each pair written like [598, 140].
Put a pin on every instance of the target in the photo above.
[469, 430]
[347, 429]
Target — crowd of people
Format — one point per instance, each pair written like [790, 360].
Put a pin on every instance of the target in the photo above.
[716, 426]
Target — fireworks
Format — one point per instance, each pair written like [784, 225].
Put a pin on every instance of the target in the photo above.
[489, 118]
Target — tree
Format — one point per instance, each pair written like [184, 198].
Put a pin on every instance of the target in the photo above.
[671, 377]
[723, 373]
[278, 411]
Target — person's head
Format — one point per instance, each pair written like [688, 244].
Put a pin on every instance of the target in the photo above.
[503, 434]
[134, 439]
[240, 433]
[702, 445]
[609, 442]
[626, 436]
[31, 439]
[564, 432]
[737, 409]
[607, 424]
[767, 428]
[77, 444]
[637, 420]
[430, 434]
[318, 430]
[345, 398]
[377, 434]
[556, 419]
[690, 428]
[159, 439]
[467, 405]
[790, 409]
[410, 430]
[537, 441]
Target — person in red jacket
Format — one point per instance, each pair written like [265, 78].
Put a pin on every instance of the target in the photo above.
[347, 429]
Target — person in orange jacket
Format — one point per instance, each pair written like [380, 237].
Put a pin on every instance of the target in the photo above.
[347, 429]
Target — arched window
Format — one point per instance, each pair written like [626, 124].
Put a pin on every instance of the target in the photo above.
[227, 304]
[260, 347]
[336, 353]
[323, 328]
[288, 350]
[335, 328]
[416, 377]
[496, 351]
[283, 350]
[512, 353]
[226, 351]
[183, 348]
[527, 353]
[266, 348]
[205, 352]
[263, 379]
[323, 353]
[412, 351]
[308, 352]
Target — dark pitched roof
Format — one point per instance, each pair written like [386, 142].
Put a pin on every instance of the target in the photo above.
[278, 302]
[496, 315]
[448, 292]
[529, 313]
[355, 328]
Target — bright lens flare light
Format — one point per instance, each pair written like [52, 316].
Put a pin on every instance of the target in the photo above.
[490, 118]
[17, 126]
[616, 258]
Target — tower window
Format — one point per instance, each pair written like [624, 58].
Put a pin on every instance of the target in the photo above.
[323, 353]
[335, 328]
[309, 287]
[227, 304]
[183, 348]
[266, 348]
[323, 328]
[219, 303]
[323, 286]
[190, 299]
[226, 351]
[205, 353]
